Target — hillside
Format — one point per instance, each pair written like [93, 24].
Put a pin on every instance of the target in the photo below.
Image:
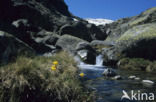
[36, 33]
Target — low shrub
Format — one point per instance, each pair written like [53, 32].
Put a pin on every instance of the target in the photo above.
[134, 64]
[151, 67]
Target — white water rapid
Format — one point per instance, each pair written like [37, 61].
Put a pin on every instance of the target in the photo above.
[97, 66]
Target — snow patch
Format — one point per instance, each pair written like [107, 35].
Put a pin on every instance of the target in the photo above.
[75, 19]
[99, 21]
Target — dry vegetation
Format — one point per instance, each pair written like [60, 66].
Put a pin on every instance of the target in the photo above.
[32, 80]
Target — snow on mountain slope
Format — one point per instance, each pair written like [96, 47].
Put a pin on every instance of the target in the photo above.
[99, 21]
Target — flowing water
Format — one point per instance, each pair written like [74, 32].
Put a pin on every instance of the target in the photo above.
[108, 90]
[99, 60]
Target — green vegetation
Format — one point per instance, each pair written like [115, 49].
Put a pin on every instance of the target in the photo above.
[139, 64]
[138, 20]
[146, 31]
[151, 10]
[33, 80]
[144, 17]
[151, 67]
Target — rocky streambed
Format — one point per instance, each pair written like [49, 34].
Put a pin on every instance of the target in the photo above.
[110, 89]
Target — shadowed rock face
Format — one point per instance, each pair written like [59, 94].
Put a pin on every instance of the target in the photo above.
[51, 15]
[40, 23]
[11, 47]
[39, 13]
[59, 5]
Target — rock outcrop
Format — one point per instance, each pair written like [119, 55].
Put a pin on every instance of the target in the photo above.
[10, 47]
[132, 37]
[41, 23]
[68, 43]
[51, 15]
[86, 52]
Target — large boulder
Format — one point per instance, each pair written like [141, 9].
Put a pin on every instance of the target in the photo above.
[11, 47]
[87, 56]
[138, 42]
[110, 56]
[68, 42]
[41, 40]
[99, 45]
[102, 43]
[82, 30]
[78, 47]
[84, 45]
[86, 52]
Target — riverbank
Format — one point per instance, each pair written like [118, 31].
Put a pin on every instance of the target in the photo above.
[32, 80]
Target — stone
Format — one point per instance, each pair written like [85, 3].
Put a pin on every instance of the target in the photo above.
[132, 77]
[84, 45]
[87, 56]
[86, 52]
[68, 42]
[109, 72]
[137, 78]
[118, 77]
[148, 82]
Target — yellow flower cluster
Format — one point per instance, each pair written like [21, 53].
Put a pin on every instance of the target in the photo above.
[54, 66]
[81, 74]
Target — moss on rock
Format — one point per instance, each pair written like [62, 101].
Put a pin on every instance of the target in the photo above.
[139, 64]
[146, 31]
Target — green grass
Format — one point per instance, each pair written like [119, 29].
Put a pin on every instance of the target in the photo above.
[149, 11]
[146, 31]
[138, 20]
[144, 17]
[151, 67]
[139, 64]
[32, 80]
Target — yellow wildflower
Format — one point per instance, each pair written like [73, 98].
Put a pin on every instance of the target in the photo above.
[55, 62]
[53, 67]
[81, 74]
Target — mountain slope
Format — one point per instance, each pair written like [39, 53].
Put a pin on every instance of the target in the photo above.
[133, 37]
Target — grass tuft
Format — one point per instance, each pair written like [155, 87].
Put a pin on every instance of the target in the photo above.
[139, 64]
[32, 80]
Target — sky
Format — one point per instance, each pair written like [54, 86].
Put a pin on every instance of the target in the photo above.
[108, 9]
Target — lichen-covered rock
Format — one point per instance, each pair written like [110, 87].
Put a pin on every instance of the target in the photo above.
[138, 42]
[81, 30]
[110, 56]
[133, 37]
[68, 42]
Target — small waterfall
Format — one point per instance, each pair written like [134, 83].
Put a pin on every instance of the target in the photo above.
[99, 60]
[98, 66]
